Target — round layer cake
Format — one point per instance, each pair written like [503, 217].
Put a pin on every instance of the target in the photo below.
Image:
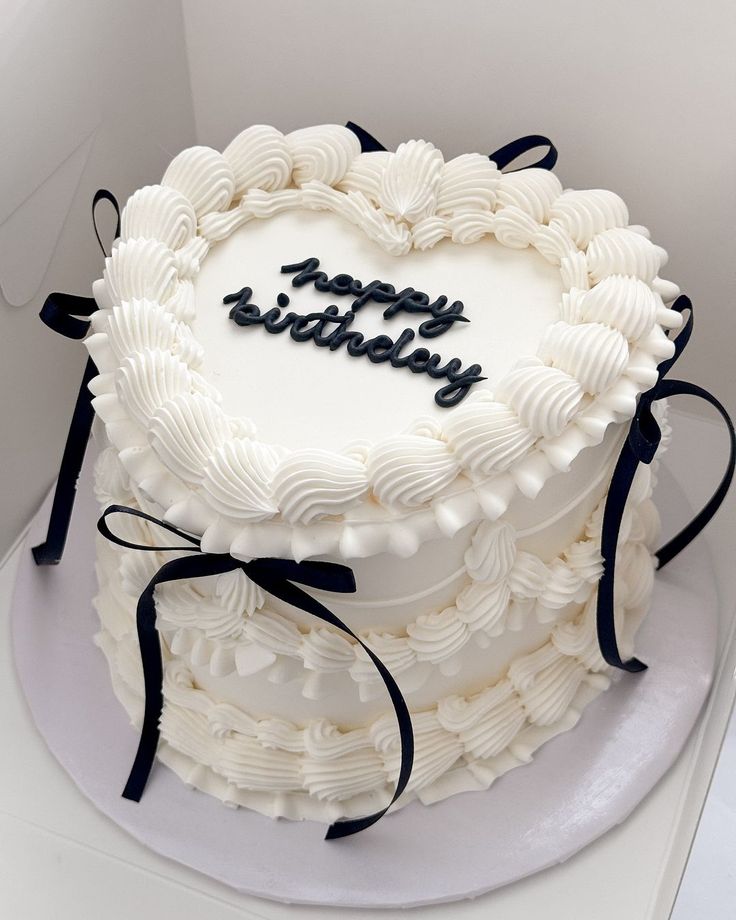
[420, 368]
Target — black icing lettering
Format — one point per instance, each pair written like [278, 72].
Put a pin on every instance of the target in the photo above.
[342, 284]
[329, 328]
[442, 320]
[307, 272]
[396, 360]
[274, 322]
[377, 291]
[356, 344]
[330, 317]
[456, 390]
[418, 359]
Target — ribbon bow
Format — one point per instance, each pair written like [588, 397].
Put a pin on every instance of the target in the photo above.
[641, 446]
[279, 577]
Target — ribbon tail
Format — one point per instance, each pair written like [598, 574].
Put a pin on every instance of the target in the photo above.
[618, 492]
[51, 550]
[152, 662]
[346, 828]
[265, 575]
[60, 312]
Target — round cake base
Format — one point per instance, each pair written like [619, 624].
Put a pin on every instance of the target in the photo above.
[578, 786]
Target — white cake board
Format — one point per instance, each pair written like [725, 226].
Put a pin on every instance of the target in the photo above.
[579, 785]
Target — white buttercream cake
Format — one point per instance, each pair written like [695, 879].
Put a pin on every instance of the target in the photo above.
[258, 388]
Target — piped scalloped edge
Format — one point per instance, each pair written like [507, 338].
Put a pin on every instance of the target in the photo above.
[522, 203]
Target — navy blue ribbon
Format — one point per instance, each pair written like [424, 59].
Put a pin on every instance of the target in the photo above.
[502, 157]
[506, 155]
[641, 446]
[280, 577]
[61, 313]
[368, 143]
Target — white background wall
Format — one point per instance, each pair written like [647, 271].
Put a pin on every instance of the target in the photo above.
[639, 97]
[92, 94]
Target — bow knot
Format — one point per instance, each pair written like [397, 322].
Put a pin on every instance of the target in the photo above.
[279, 577]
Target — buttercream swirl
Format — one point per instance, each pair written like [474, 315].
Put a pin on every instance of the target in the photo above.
[111, 482]
[484, 606]
[467, 227]
[485, 435]
[274, 631]
[140, 269]
[594, 354]
[467, 183]
[260, 159]
[545, 398]
[147, 379]
[492, 551]
[625, 303]
[583, 213]
[355, 207]
[487, 723]
[239, 593]
[203, 176]
[574, 271]
[160, 213]
[532, 191]
[364, 174]
[410, 181]
[322, 152]
[514, 228]
[407, 470]
[185, 431]
[311, 483]
[553, 243]
[437, 636]
[238, 479]
[620, 251]
[428, 232]
[139, 324]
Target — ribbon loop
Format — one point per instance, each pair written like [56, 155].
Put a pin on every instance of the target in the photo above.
[102, 194]
[688, 533]
[104, 528]
[641, 446]
[506, 155]
[368, 143]
[60, 312]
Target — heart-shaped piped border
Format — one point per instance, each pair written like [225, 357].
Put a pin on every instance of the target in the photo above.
[209, 472]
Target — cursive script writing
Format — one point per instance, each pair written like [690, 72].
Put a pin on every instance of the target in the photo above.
[328, 328]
